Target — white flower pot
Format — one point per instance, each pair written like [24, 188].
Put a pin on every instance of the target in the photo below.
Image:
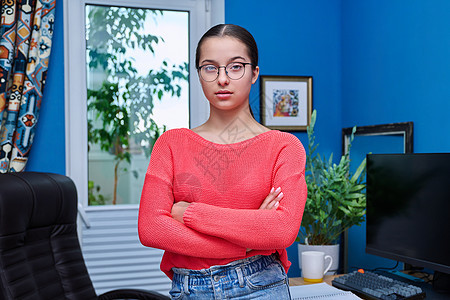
[332, 250]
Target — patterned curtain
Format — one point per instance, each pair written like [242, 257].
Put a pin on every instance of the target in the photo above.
[26, 36]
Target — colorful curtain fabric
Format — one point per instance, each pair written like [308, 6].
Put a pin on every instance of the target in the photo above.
[25, 41]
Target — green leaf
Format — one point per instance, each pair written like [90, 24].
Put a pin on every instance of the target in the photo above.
[357, 187]
[358, 172]
[355, 196]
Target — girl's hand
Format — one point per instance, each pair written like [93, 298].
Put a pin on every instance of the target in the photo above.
[178, 210]
[273, 199]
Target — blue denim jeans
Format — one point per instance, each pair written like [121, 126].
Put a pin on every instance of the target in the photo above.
[257, 277]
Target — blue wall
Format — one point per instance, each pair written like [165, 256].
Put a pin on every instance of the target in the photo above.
[48, 151]
[372, 62]
[395, 68]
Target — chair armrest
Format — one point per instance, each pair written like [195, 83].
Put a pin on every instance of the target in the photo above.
[132, 294]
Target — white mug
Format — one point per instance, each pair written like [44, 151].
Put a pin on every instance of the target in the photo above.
[313, 265]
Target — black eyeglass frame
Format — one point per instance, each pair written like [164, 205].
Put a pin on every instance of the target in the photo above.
[225, 67]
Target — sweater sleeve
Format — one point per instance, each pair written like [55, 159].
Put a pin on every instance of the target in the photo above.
[260, 229]
[156, 226]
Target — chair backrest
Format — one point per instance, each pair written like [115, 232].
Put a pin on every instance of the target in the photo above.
[40, 255]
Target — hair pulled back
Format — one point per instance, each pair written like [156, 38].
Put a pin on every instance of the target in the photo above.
[233, 31]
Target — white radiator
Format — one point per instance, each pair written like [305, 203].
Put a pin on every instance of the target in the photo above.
[114, 256]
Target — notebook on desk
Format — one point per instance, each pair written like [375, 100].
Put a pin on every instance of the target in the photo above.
[320, 291]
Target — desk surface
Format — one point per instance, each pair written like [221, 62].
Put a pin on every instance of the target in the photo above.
[299, 280]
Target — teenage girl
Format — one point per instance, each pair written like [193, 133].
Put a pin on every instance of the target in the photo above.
[225, 199]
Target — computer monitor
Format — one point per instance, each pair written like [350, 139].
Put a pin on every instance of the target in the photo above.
[408, 208]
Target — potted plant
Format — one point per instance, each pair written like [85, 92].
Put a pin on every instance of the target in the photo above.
[336, 199]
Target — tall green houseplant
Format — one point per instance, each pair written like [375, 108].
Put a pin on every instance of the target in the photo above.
[336, 199]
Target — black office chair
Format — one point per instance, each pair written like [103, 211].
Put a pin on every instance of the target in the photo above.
[40, 255]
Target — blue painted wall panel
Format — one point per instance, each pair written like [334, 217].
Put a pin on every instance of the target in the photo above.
[47, 153]
[396, 67]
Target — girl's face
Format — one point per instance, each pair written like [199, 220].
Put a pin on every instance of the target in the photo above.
[225, 93]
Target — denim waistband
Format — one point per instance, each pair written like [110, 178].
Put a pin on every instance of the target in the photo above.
[236, 270]
[248, 265]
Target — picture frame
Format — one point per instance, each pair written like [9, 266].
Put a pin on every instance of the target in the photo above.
[286, 102]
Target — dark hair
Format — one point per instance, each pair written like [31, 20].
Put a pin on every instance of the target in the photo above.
[233, 31]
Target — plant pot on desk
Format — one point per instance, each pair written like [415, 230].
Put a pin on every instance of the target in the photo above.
[331, 250]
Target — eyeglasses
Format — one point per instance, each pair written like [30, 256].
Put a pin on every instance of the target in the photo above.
[234, 71]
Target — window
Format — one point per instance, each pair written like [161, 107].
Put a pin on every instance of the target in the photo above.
[202, 13]
[137, 87]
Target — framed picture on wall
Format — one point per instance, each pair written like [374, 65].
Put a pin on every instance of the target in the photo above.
[286, 102]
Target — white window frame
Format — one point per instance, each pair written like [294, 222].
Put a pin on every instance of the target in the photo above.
[75, 76]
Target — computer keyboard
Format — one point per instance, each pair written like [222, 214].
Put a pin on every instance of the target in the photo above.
[370, 285]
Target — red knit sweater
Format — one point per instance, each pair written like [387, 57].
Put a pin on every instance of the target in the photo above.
[225, 184]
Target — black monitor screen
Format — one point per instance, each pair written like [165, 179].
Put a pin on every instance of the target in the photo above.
[408, 208]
